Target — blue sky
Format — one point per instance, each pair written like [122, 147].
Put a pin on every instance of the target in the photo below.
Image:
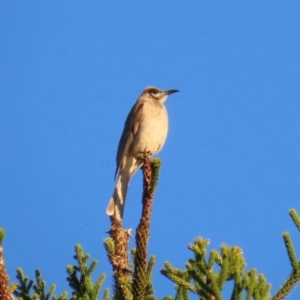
[70, 72]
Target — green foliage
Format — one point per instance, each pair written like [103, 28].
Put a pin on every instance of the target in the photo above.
[206, 275]
[2, 234]
[149, 286]
[25, 287]
[149, 291]
[295, 217]
[155, 168]
[294, 277]
[80, 277]
[79, 280]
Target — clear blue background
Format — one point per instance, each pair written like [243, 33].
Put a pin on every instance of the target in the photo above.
[70, 72]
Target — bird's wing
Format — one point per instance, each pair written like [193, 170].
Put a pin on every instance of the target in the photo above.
[131, 128]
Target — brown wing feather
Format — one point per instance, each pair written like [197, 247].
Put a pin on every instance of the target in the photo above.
[131, 127]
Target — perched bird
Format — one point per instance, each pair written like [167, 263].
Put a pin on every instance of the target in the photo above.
[145, 128]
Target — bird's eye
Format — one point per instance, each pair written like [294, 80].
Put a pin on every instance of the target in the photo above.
[154, 92]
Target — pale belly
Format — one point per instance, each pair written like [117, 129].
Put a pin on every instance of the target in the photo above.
[152, 132]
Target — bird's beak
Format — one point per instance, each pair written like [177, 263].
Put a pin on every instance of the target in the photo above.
[169, 92]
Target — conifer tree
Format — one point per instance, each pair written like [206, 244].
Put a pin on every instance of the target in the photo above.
[205, 275]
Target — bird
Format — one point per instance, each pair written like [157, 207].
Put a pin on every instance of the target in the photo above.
[145, 129]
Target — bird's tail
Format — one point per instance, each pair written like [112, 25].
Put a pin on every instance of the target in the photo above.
[117, 201]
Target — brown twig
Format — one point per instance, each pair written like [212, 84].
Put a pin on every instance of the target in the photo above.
[117, 245]
[119, 259]
[4, 288]
[142, 233]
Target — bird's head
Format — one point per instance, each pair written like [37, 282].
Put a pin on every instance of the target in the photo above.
[157, 94]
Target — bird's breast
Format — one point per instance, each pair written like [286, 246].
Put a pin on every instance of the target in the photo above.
[153, 129]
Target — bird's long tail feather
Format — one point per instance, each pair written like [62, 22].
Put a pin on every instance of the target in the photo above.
[116, 203]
